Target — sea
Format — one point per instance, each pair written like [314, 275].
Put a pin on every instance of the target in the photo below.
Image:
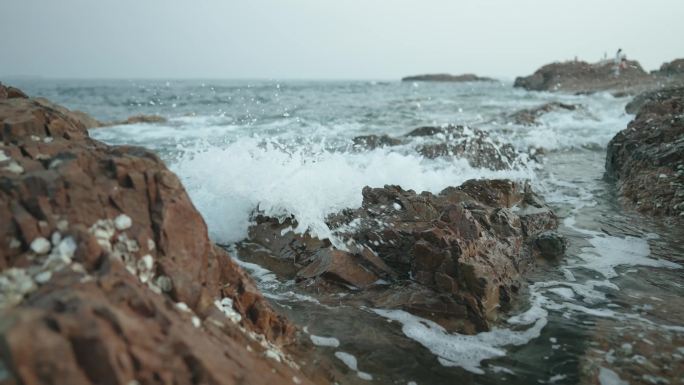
[611, 310]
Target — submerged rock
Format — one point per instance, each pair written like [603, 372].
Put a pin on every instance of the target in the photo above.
[446, 78]
[107, 274]
[456, 257]
[374, 141]
[647, 158]
[529, 116]
[583, 77]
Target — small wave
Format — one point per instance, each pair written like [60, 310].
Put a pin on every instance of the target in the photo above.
[227, 183]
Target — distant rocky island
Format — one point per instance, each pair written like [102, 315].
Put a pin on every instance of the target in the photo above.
[582, 77]
[447, 78]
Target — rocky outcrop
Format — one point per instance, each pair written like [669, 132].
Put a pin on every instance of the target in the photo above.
[472, 144]
[529, 116]
[107, 274]
[656, 96]
[674, 68]
[447, 78]
[647, 158]
[583, 77]
[456, 257]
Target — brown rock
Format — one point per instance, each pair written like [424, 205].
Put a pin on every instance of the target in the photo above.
[475, 145]
[11, 92]
[109, 328]
[97, 245]
[338, 265]
[529, 116]
[583, 77]
[456, 257]
[656, 96]
[674, 68]
[646, 159]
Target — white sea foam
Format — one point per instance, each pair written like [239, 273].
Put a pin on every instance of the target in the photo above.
[324, 341]
[466, 351]
[351, 363]
[608, 252]
[609, 377]
[227, 183]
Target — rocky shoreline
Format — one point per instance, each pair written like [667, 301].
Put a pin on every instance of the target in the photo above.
[646, 160]
[580, 77]
[107, 272]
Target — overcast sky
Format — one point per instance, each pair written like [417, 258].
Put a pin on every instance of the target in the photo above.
[322, 39]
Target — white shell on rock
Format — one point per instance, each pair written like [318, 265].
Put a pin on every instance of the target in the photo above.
[40, 246]
[14, 167]
[43, 277]
[123, 222]
[56, 238]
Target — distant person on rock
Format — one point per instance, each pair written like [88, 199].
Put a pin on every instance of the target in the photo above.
[620, 61]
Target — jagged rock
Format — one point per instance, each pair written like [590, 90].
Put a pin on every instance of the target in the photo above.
[672, 69]
[655, 96]
[109, 328]
[456, 257]
[529, 116]
[11, 92]
[475, 145]
[583, 77]
[647, 158]
[551, 245]
[472, 144]
[97, 243]
[447, 78]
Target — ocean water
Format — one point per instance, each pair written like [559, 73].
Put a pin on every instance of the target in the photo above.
[285, 147]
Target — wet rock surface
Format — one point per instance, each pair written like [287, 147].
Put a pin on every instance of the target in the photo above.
[107, 274]
[447, 78]
[656, 96]
[647, 158]
[674, 68]
[583, 77]
[475, 145]
[456, 257]
[529, 116]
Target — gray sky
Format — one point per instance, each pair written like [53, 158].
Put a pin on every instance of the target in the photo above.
[322, 39]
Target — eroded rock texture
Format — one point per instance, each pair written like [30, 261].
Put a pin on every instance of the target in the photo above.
[583, 77]
[647, 158]
[478, 147]
[456, 257]
[107, 274]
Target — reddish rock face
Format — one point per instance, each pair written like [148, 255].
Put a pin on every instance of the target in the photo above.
[456, 257]
[97, 245]
[647, 158]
